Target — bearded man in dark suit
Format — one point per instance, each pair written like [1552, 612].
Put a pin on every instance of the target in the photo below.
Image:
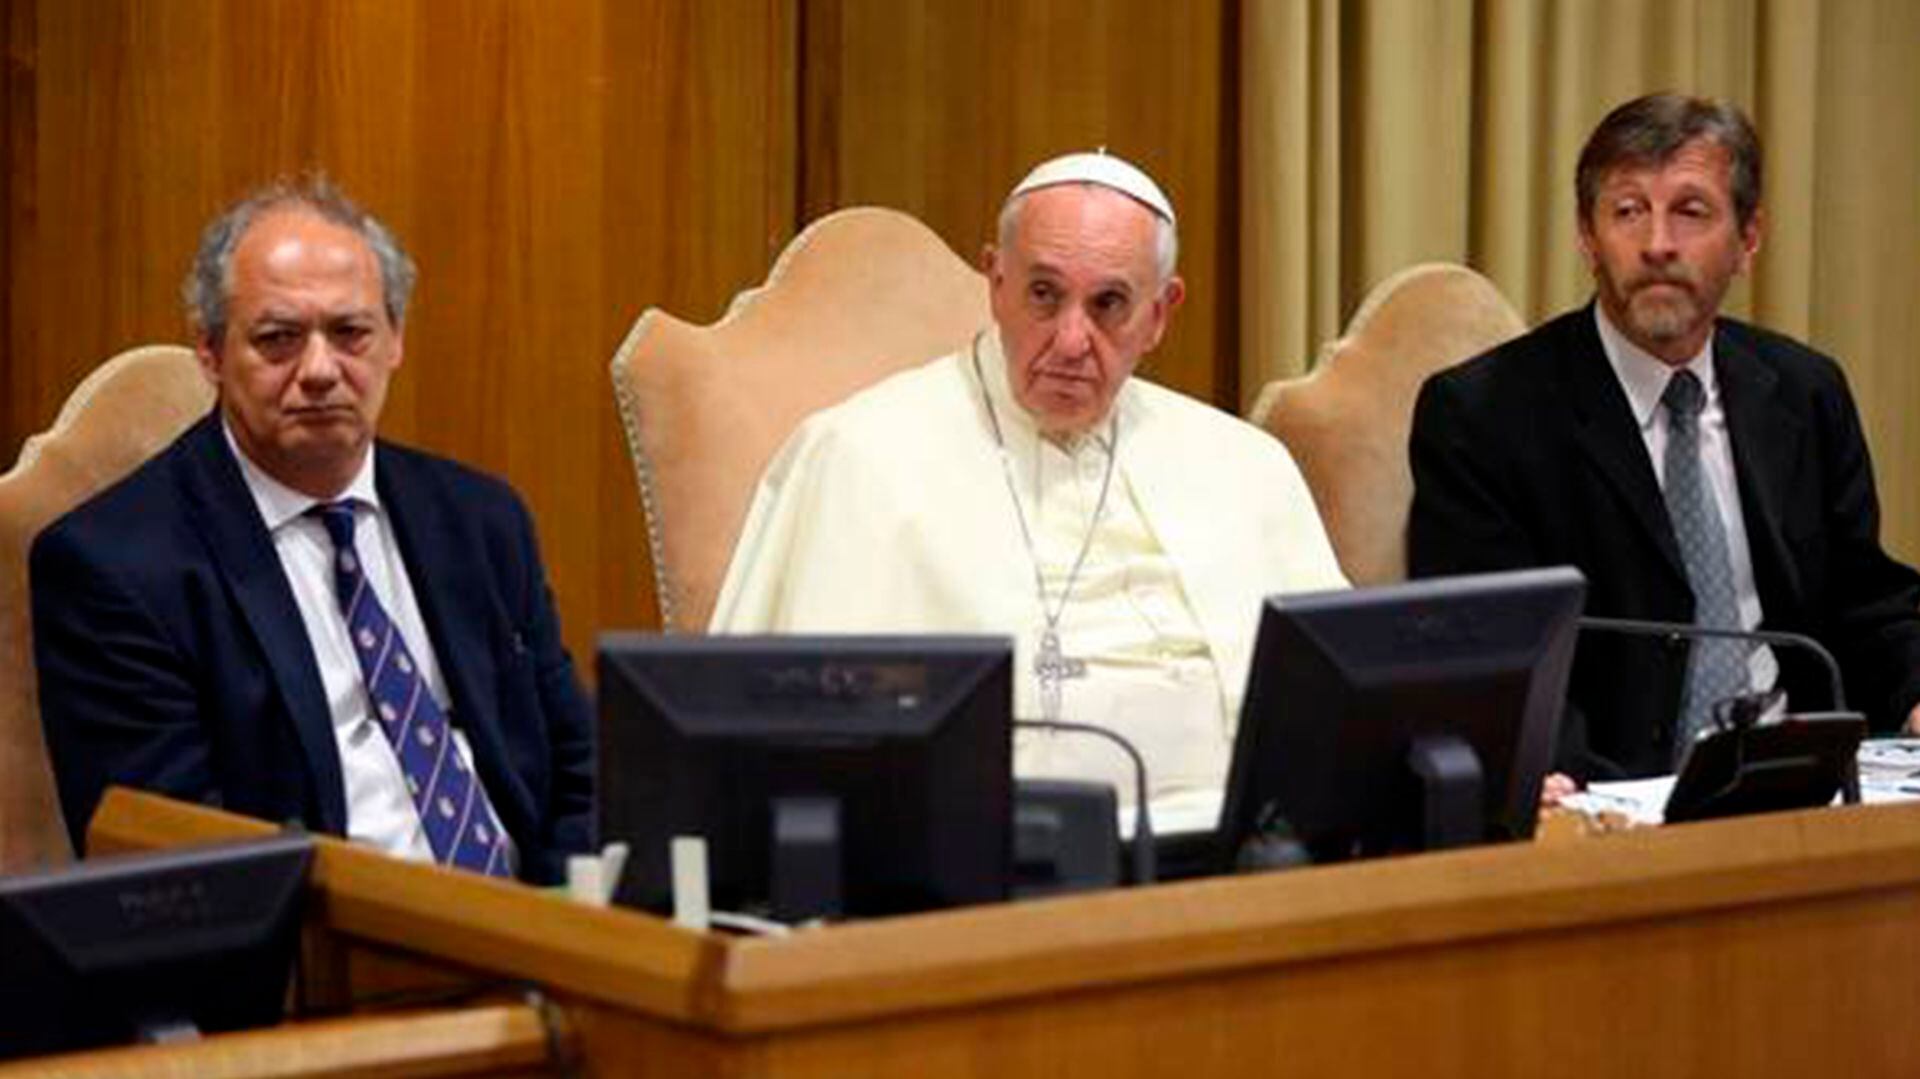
[1697, 469]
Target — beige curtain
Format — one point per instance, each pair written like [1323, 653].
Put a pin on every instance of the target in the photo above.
[1380, 133]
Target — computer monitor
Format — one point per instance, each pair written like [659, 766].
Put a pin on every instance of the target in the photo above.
[830, 776]
[149, 947]
[1406, 717]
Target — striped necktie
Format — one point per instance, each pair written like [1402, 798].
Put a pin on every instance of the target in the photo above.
[460, 822]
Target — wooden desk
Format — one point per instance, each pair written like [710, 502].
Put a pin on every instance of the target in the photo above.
[496, 1040]
[1783, 945]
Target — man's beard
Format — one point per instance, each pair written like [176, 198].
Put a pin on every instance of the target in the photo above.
[1664, 316]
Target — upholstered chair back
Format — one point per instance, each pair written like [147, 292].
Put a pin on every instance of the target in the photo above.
[1347, 421]
[861, 294]
[124, 412]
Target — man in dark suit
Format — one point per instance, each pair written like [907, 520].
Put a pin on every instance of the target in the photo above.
[282, 615]
[1695, 468]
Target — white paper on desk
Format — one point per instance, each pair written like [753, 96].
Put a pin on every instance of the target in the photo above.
[1890, 758]
[1179, 813]
[1875, 793]
[1642, 801]
[1890, 770]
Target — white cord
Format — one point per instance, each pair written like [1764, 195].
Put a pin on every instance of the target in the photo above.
[748, 923]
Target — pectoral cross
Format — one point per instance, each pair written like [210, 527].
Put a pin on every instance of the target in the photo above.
[1053, 666]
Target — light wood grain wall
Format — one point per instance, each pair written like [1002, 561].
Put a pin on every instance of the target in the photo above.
[938, 108]
[556, 166]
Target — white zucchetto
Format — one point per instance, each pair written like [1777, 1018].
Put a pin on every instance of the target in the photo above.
[1098, 168]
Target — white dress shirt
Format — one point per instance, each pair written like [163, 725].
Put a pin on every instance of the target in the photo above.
[380, 812]
[1644, 377]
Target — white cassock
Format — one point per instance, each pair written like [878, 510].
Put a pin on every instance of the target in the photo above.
[890, 513]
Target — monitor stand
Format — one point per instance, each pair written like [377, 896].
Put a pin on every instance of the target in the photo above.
[1450, 778]
[806, 867]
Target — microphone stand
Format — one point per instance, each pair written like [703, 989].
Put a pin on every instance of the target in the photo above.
[1683, 631]
[1141, 849]
[1679, 631]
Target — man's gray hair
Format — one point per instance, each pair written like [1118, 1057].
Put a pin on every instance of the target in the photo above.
[1166, 239]
[209, 283]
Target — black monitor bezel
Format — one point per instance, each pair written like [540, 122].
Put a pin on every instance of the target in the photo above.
[123, 948]
[1310, 768]
[954, 853]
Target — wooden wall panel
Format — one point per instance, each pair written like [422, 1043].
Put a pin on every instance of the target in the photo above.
[13, 37]
[554, 166]
[939, 107]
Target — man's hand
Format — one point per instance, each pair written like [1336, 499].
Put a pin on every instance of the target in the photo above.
[1912, 728]
[1559, 785]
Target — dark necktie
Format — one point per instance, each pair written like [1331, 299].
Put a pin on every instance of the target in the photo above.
[1717, 669]
[459, 820]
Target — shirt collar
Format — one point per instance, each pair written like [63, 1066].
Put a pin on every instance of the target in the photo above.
[1644, 376]
[278, 503]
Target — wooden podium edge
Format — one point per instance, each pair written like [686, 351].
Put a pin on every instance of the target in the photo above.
[1045, 948]
[993, 955]
[502, 930]
[487, 1040]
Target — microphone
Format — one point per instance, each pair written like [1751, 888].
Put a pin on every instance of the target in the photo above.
[1141, 850]
[1850, 772]
[1686, 631]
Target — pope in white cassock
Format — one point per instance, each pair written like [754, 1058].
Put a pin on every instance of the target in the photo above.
[1028, 485]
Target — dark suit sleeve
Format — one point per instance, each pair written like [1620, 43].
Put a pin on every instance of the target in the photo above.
[116, 699]
[570, 810]
[1874, 601]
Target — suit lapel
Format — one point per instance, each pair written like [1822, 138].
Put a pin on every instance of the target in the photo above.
[223, 510]
[1766, 439]
[1605, 429]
